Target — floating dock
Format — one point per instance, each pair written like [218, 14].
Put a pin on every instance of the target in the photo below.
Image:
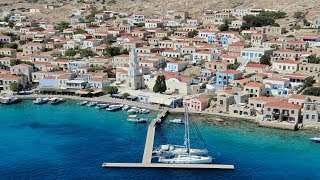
[158, 165]
[147, 155]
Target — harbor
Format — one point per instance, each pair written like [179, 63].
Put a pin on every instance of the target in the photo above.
[147, 155]
[92, 137]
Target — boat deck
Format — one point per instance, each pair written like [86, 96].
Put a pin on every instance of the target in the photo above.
[177, 166]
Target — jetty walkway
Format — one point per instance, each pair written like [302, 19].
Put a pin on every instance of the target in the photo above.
[147, 155]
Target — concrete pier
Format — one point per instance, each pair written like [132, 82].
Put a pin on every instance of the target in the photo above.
[148, 148]
[158, 165]
[147, 155]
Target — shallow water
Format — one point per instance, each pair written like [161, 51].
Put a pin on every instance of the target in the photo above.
[67, 141]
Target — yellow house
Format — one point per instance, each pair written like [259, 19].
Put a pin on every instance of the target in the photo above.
[255, 89]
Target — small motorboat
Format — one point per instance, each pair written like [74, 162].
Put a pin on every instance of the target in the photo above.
[133, 111]
[316, 139]
[133, 118]
[91, 104]
[102, 106]
[55, 101]
[177, 121]
[114, 108]
[10, 100]
[125, 107]
[82, 103]
[144, 111]
[40, 101]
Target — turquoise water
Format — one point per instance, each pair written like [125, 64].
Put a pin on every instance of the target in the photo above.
[67, 141]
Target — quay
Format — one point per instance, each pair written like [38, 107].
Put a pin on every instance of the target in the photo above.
[176, 166]
[147, 155]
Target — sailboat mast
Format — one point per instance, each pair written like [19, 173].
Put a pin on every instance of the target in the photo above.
[188, 132]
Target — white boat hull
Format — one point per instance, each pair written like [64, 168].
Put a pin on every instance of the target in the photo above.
[186, 160]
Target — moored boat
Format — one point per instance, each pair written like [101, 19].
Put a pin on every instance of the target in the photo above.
[144, 111]
[133, 110]
[316, 139]
[10, 100]
[55, 101]
[82, 103]
[176, 121]
[102, 106]
[134, 118]
[91, 104]
[174, 154]
[40, 101]
[114, 107]
[125, 107]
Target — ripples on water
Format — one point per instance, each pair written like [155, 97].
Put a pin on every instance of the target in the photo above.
[71, 142]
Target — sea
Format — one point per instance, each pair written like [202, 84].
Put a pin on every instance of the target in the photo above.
[68, 141]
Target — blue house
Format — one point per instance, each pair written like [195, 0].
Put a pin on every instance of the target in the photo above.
[76, 20]
[224, 40]
[223, 78]
[211, 38]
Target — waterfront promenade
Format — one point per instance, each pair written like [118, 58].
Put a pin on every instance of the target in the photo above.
[108, 99]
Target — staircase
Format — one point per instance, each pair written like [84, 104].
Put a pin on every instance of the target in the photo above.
[243, 64]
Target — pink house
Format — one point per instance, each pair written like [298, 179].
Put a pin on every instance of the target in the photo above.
[22, 69]
[198, 104]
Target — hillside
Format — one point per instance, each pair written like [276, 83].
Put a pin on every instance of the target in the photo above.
[158, 8]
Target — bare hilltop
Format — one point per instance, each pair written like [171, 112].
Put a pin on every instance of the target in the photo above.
[159, 7]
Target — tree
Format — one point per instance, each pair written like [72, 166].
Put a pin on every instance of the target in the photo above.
[225, 25]
[193, 34]
[139, 24]
[203, 86]
[22, 42]
[265, 60]
[314, 60]
[160, 85]
[110, 89]
[156, 87]
[11, 45]
[70, 52]
[309, 82]
[63, 25]
[125, 95]
[166, 38]
[312, 91]
[298, 15]
[40, 29]
[265, 18]
[112, 51]
[16, 87]
[163, 86]
[235, 66]
[80, 31]
[86, 52]
[125, 51]
[14, 62]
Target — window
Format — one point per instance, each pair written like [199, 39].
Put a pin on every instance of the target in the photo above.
[292, 111]
[221, 102]
[269, 109]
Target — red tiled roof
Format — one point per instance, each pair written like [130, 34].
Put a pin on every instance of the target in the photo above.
[283, 105]
[255, 84]
[261, 66]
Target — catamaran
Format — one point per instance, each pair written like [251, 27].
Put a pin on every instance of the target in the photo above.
[183, 155]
